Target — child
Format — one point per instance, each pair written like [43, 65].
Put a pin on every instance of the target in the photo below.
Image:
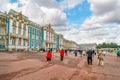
[49, 56]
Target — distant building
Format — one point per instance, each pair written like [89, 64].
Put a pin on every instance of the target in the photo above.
[88, 46]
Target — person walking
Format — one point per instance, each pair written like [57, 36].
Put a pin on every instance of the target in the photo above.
[89, 56]
[75, 52]
[61, 55]
[66, 50]
[100, 57]
[84, 53]
[49, 56]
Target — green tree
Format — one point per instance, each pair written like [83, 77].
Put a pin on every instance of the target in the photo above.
[107, 45]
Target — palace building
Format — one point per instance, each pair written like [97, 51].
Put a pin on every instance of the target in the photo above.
[17, 32]
[35, 36]
[50, 38]
[3, 31]
[18, 26]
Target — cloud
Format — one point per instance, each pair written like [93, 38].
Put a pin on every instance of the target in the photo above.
[44, 14]
[70, 3]
[97, 32]
[91, 23]
[102, 26]
[61, 29]
[40, 11]
[46, 3]
[106, 10]
[58, 19]
[102, 6]
[5, 5]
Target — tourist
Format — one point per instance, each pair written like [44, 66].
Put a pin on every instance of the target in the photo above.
[89, 56]
[66, 50]
[84, 53]
[100, 57]
[75, 52]
[49, 56]
[61, 54]
[80, 51]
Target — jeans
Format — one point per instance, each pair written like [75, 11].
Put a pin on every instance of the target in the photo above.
[61, 58]
[89, 60]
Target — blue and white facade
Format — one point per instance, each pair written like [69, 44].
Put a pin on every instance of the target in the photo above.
[50, 38]
[18, 26]
[17, 32]
[35, 38]
[3, 31]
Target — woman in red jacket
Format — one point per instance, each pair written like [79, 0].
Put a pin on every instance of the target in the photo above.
[61, 54]
[49, 56]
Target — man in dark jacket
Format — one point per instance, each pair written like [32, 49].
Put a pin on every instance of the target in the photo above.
[89, 56]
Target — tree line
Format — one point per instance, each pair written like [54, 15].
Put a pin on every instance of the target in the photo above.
[108, 45]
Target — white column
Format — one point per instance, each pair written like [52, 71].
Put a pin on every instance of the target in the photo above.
[26, 31]
[21, 42]
[10, 43]
[21, 29]
[48, 45]
[45, 33]
[47, 36]
[26, 43]
[50, 36]
[17, 42]
[11, 23]
[16, 27]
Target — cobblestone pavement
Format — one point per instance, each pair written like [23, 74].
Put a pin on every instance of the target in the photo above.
[33, 66]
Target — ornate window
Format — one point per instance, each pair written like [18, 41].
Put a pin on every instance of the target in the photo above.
[19, 42]
[14, 23]
[24, 27]
[1, 29]
[37, 43]
[32, 30]
[19, 26]
[14, 30]
[32, 43]
[24, 33]
[24, 42]
[19, 31]
[13, 41]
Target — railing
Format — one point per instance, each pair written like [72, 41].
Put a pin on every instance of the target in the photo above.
[12, 34]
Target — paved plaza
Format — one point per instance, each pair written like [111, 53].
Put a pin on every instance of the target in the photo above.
[33, 66]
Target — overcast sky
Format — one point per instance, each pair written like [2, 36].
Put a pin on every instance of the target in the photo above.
[83, 21]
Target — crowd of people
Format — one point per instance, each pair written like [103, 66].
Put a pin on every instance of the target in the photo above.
[89, 53]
